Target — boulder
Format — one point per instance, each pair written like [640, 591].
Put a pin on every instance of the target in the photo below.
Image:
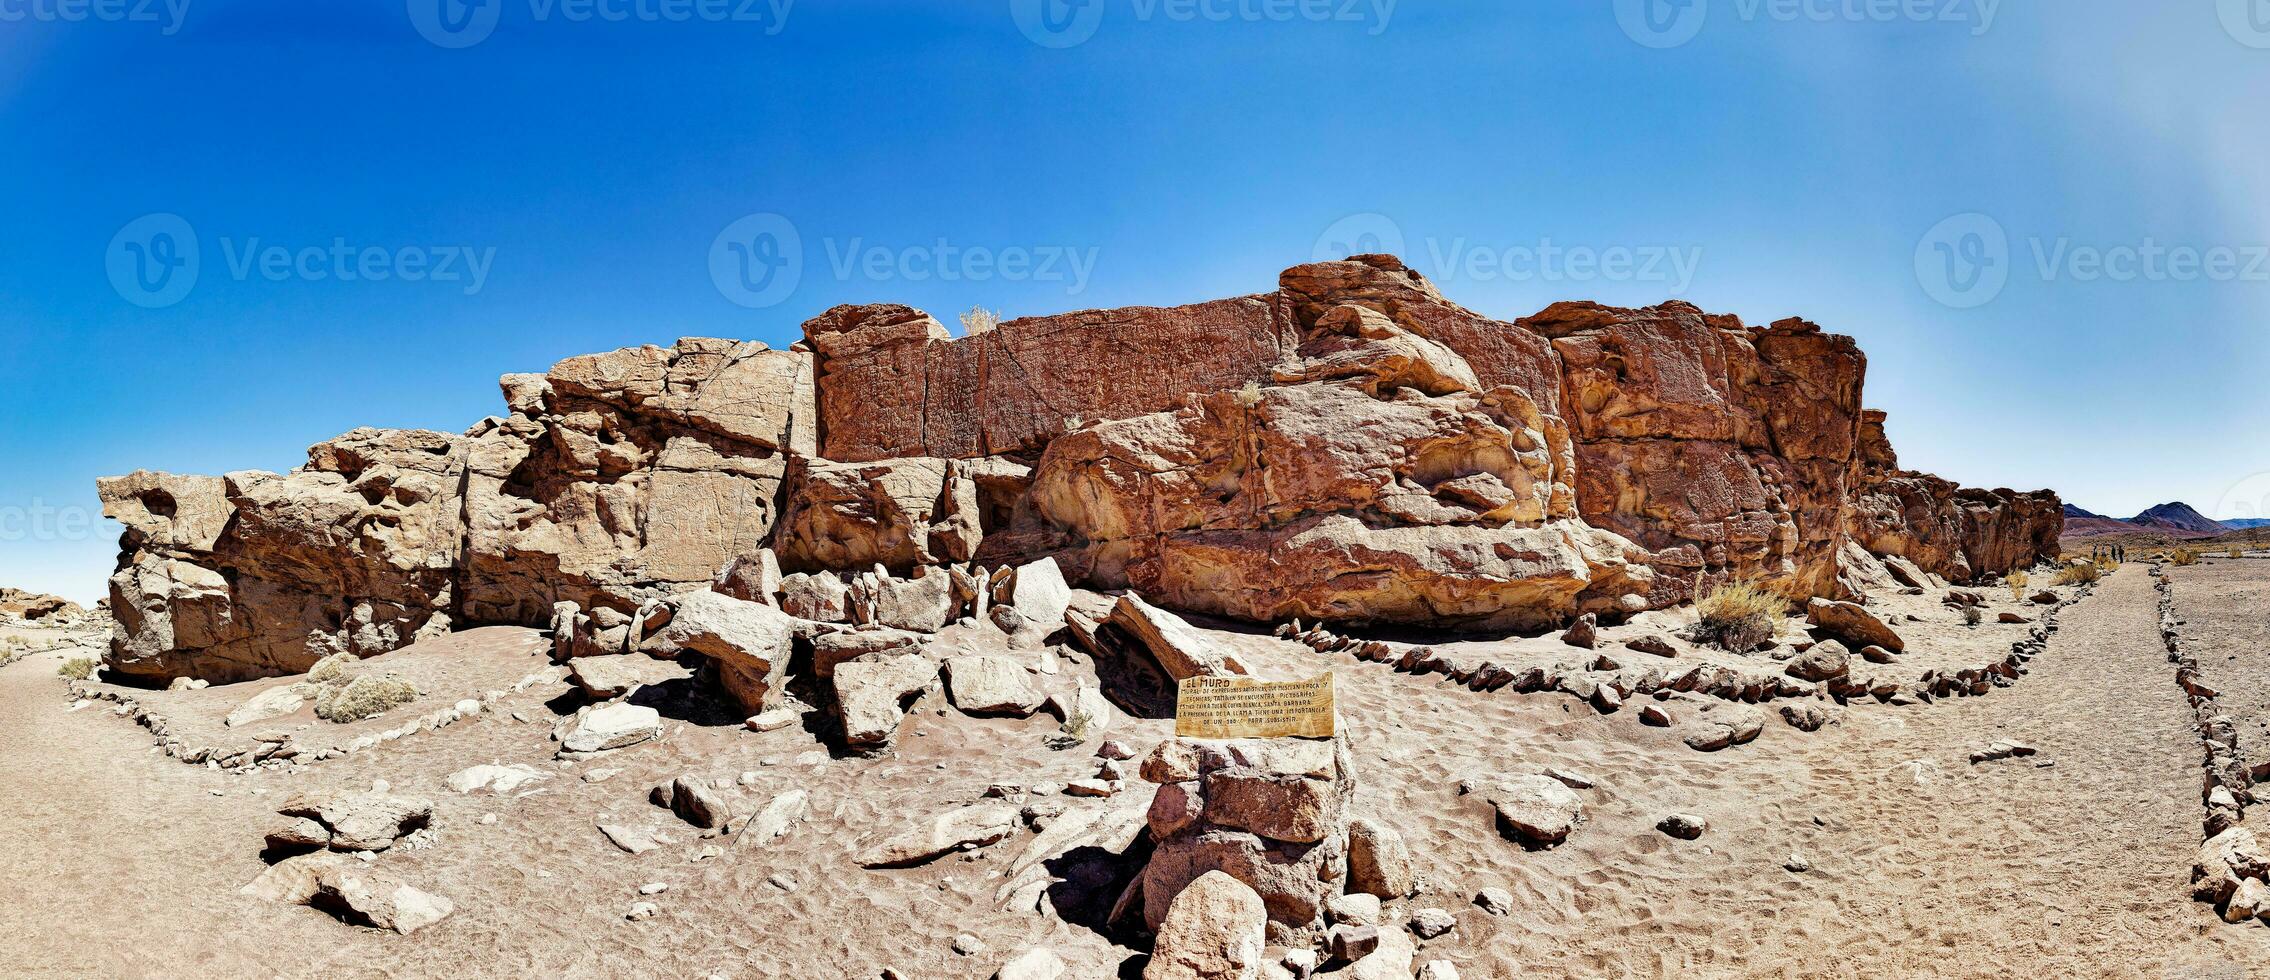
[356, 822]
[606, 678]
[1534, 809]
[989, 685]
[821, 597]
[382, 900]
[1852, 624]
[1827, 660]
[872, 695]
[612, 727]
[752, 578]
[1378, 861]
[1213, 931]
[1030, 601]
[747, 642]
[274, 702]
[1180, 649]
[940, 834]
[1032, 964]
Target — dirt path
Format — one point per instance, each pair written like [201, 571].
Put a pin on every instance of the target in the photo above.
[2074, 863]
[119, 862]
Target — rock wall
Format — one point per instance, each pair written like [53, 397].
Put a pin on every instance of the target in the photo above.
[1351, 447]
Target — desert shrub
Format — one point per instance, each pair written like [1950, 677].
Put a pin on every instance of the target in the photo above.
[1972, 615]
[1078, 725]
[363, 697]
[1250, 395]
[77, 668]
[2018, 581]
[1738, 616]
[332, 669]
[979, 320]
[2081, 574]
[2237, 553]
[2184, 556]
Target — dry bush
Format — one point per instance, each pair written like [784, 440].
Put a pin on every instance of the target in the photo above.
[2082, 574]
[364, 697]
[979, 320]
[77, 668]
[1972, 615]
[1738, 616]
[2018, 581]
[332, 669]
[2237, 553]
[2184, 556]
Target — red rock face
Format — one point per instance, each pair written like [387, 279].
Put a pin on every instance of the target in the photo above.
[1351, 447]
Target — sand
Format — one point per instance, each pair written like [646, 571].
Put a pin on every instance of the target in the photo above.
[121, 861]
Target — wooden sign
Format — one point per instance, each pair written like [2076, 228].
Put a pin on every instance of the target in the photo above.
[1241, 707]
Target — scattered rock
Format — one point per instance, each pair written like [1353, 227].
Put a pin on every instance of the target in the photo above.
[608, 677]
[1852, 624]
[1656, 715]
[989, 685]
[1379, 864]
[1584, 633]
[1652, 644]
[1429, 923]
[1805, 716]
[1213, 931]
[272, 703]
[1826, 660]
[1537, 810]
[2000, 749]
[613, 727]
[1032, 964]
[873, 695]
[382, 901]
[642, 911]
[358, 822]
[944, 833]
[495, 778]
[1495, 901]
[1354, 910]
[1684, 826]
[772, 721]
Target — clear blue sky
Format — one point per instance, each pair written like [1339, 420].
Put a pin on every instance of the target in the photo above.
[1133, 151]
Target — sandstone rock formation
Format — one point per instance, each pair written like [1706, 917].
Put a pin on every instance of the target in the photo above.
[1351, 447]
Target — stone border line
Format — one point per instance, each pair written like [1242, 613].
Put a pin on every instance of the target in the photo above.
[277, 754]
[1606, 689]
[2228, 785]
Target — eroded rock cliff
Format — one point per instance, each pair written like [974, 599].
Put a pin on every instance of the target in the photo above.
[1351, 447]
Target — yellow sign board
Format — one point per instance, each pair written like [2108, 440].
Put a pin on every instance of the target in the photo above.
[1241, 707]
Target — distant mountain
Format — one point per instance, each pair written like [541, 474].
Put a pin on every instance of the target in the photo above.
[2175, 520]
[2243, 523]
[2177, 517]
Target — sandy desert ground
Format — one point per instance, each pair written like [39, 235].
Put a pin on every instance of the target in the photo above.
[1873, 847]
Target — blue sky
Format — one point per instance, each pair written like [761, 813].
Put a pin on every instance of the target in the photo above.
[555, 178]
